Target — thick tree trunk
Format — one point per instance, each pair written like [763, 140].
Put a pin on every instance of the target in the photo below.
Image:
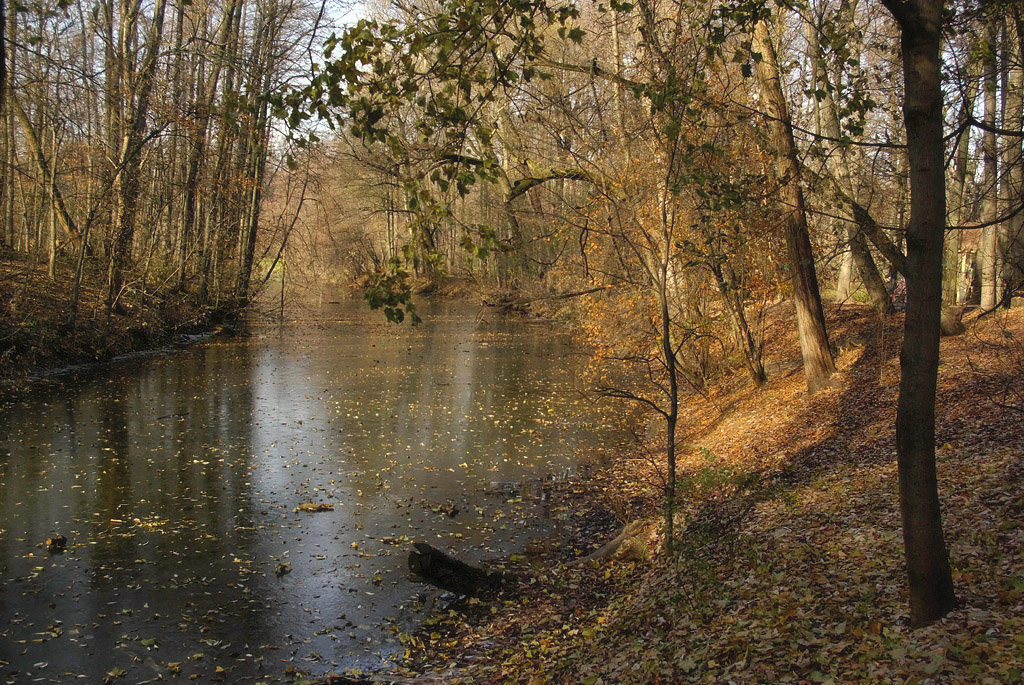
[868, 271]
[930, 579]
[810, 318]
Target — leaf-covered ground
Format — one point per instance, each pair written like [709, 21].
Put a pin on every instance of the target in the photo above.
[35, 335]
[790, 566]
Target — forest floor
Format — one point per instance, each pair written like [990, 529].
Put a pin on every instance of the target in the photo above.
[789, 556]
[789, 563]
[36, 336]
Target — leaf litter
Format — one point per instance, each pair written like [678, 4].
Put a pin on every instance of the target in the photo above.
[789, 567]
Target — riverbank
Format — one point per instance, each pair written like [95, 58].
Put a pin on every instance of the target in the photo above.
[789, 563]
[36, 336]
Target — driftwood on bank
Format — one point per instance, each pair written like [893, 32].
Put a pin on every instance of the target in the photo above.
[609, 549]
[441, 570]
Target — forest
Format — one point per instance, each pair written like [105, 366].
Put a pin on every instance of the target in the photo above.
[742, 210]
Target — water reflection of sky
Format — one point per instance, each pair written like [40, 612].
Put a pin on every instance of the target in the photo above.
[176, 480]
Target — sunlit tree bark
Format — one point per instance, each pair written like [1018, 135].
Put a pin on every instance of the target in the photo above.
[814, 346]
[988, 247]
[827, 123]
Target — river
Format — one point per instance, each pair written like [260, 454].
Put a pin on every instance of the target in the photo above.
[177, 480]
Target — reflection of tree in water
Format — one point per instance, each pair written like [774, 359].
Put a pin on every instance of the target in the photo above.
[205, 492]
[113, 478]
[172, 463]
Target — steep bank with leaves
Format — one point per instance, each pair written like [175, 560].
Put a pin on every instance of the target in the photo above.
[789, 555]
[36, 336]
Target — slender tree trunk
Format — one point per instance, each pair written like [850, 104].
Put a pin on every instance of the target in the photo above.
[819, 84]
[672, 414]
[112, 116]
[6, 237]
[251, 227]
[956, 209]
[3, 57]
[76, 286]
[45, 168]
[8, 121]
[928, 570]
[988, 247]
[744, 336]
[839, 165]
[220, 208]
[197, 149]
[178, 141]
[260, 75]
[810, 317]
[52, 261]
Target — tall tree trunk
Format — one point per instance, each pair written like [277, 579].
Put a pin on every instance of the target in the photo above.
[5, 236]
[928, 570]
[988, 247]
[249, 230]
[45, 168]
[733, 298]
[1012, 190]
[136, 103]
[11, 23]
[260, 75]
[3, 57]
[672, 413]
[112, 115]
[839, 165]
[204, 106]
[810, 317]
[179, 139]
[956, 212]
[219, 208]
[52, 257]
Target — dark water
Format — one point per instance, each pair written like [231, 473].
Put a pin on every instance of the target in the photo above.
[175, 479]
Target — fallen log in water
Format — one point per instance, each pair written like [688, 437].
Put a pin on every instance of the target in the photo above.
[441, 570]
